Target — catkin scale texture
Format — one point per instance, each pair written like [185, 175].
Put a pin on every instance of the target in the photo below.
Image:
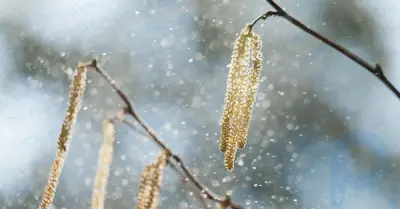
[150, 183]
[241, 90]
[74, 104]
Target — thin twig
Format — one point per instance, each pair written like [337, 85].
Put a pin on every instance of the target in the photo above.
[263, 17]
[174, 160]
[375, 69]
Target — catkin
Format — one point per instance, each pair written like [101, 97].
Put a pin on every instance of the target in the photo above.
[252, 83]
[74, 104]
[150, 183]
[103, 170]
[242, 85]
[232, 89]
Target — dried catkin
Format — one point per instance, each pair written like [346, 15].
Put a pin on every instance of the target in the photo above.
[242, 85]
[150, 183]
[103, 168]
[74, 104]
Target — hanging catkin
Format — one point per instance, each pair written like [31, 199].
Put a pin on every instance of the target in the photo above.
[150, 183]
[232, 88]
[103, 168]
[252, 83]
[242, 85]
[74, 104]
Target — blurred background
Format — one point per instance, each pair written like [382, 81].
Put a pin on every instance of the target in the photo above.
[323, 131]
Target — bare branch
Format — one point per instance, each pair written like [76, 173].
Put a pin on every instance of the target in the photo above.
[173, 159]
[375, 69]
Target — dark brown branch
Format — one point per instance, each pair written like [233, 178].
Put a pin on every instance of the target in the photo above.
[263, 17]
[375, 69]
[173, 160]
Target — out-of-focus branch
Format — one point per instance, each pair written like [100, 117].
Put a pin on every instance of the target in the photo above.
[375, 69]
[173, 159]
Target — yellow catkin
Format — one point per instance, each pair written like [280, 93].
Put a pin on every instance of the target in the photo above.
[103, 168]
[240, 94]
[229, 159]
[232, 89]
[251, 88]
[74, 104]
[150, 183]
[240, 101]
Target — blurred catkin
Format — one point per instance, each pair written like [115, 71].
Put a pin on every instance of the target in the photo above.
[150, 183]
[242, 85]
[103, 168]
[74, 104]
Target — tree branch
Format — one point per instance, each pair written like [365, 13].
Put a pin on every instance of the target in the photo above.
[376, 69]
[174, 160]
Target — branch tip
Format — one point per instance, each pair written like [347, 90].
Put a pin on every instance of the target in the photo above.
[376, 69]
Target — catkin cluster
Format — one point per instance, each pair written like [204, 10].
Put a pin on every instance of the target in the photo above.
[150, 183]
[74, 104]
[103, 169]
[242, 85]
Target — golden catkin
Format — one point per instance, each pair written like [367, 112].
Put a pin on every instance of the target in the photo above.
[232, 88]
[251, 87]
[74, 104]
[150, 183]
[103, 169]
[240, 94]
[230, 153]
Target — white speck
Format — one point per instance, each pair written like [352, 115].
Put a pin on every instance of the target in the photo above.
[164, 43]
[289, 126]
[137, 12]
[240, 162]
[124, 182]
[69, 71]
[265, 104]
[123, 157]
[79, 162]
[88, 181]
[190, 60]
[167, 126]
